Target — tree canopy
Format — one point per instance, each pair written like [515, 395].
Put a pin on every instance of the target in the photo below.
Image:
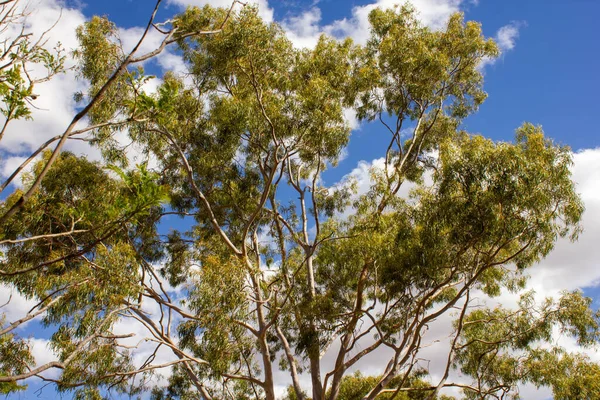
[270, 273]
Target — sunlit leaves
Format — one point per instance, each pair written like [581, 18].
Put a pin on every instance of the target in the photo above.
[15, 358]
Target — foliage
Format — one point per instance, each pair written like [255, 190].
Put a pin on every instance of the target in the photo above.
[71, 249]
[268, 273]
[15, 357]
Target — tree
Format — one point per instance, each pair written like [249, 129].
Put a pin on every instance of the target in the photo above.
[273, 275]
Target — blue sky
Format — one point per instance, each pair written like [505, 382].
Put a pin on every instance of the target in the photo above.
[547, 75]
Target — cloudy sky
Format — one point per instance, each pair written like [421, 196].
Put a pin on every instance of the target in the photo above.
[547, 74]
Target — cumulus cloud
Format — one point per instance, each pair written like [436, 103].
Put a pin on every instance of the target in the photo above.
[13, 305]
[43, 354]
[9, 165]
[506, 36]
[351, 118]
[52, 112]
[506, 39]
[130, 37]
[304, 29]
[167, 60]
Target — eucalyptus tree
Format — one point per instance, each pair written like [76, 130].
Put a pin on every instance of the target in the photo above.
[275, 277]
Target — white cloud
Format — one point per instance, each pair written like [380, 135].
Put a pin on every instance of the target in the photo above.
[151, 86]
[55, 105]
[304, 29]
[166, 59]
[506, 39]
[172, 62]
[43, 354]
[10, 165]
[506, 36]
[131, 36]
[362, 174]
[14, 305]
[351, 119]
